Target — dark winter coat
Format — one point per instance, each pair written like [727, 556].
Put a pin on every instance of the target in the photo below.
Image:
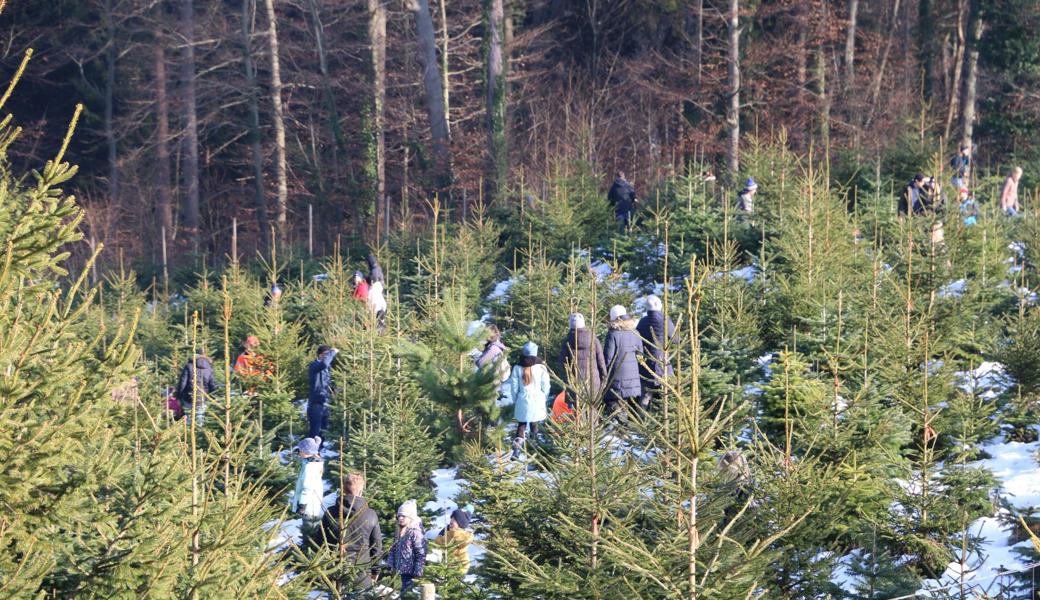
[582, 357]
[360, 533]
[622, 351]
[319, 377]
[622, 195]
[408, 554]
[657, 364]
[375, 272]
[196, 373]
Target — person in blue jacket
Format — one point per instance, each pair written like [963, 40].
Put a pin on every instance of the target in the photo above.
[319, 377]
[529, 390]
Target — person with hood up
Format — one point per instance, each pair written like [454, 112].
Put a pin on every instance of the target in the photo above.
[654, 329]
[581, 360]
[529, 391]
[455, 540]
[622, 196]
[746, 200]
[360, 287]
[622, 351]
[310, 487]
[408, 554]
[194, 386]
[350, 522]
[319, 379]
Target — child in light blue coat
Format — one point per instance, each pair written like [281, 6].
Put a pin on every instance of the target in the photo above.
[529, 389]
[310, 487]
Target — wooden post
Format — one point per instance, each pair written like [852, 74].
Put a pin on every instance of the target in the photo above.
[165, 269]
[429, 591]
[310, 230]
[93, 257]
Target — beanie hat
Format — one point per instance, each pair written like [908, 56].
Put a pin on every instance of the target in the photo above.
[617, 311]
[358, 275]
[408, 509]
[310, 446]
[461, 517]
[751, 185]
[577, 321]
[654, 303]
[530, 349]
[275, 290]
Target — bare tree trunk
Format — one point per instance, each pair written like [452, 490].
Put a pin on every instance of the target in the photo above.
[958, 64]
[850, 47]
[823, 100]
[698, 41]
[879, 75]
[733, 89]
[971, 67]
[191, 124]
[111, 54]
[252, 96]
[377, 39]
[326, 81]
[445, 64]
[281, 170]
[162, 146]
[434, 93]
[925, 38]
[496, 101]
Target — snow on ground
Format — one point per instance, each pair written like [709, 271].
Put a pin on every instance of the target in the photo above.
[953, 290]
[447, 487]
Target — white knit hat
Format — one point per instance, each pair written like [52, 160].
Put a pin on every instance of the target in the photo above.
[617, 311]
[654, 303]
[577, 321]
[408, 509]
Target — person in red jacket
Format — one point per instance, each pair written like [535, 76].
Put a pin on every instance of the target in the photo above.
[360, 287]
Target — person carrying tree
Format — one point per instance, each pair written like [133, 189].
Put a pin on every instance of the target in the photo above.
[622, 351]
[746, 200]
[656, 331]
[1009, 194]
[250, 363]
[319, 379]
[582, 364]
[408, 554]
[310, 488]
[453, 541]
[622, 196]
[194, 386]
[529, 392]
[350, 529]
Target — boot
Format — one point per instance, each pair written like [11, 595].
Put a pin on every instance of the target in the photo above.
[518, 444]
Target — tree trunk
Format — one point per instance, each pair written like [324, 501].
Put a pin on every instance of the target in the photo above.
[879, 75]
[252, 96]
[329, 96]
[191, 124]
[377, 40]
[925, 39]
[958, 63]
[850, 47]
[162, 145]
[823, 100]
[733, 89]
[434, 94]
[971, 72]
[111, 54]
[698, 41]
[496, 100]
[279, 124]
[445, 65]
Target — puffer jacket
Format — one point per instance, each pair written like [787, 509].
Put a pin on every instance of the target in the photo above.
[582, 357]
[198, 374]
[360, 533]
[530, 402]
[622, 351]
[651, 329]
[408, 554]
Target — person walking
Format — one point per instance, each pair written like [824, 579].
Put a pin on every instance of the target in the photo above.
[656, 330]
[494, 353]
[961, 167]
[360, 287]
[310, 488]
[319, 379]
[377, 302]
[581, 360]
[408, 554]
[1009, 194]
[194, 386]
[746, 199]
[350, 529]
[529, 391]
[375, 272]
[453, 542]
[622, 196]
[622, 351]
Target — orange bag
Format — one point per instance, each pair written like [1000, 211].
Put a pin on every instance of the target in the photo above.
[560, 411]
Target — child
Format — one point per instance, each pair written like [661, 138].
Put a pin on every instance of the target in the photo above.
[969, 208]
[310, 488]
[408, 554]
[455, 539]
[529, 391]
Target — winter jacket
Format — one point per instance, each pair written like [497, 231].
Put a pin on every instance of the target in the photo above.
[310, 488]
[961, 166]
[375, 272]
[582, 357]
[622, 195]
[408, 554]
[196, 373]
[360, 535]
[494, 352]
[456, 544]
[361, 291]
[657, 364]
[530, 401]
[622, 351]
[746, 201]
[319, 377]
[376, 299]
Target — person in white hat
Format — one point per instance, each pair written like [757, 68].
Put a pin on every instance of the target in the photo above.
[622, 350]
[408, 554]
[657, 332]
[581, 361]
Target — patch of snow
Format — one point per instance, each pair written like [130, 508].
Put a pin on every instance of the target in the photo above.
[320, 277]
[501, 291]
[953, 290]
[1018, 248]
[988, 380]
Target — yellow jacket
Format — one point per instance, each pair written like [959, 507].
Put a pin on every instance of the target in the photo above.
[456, 545]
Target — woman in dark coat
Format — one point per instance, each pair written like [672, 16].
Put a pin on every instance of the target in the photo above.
[657, 365]
[622, 351]
[581, 360]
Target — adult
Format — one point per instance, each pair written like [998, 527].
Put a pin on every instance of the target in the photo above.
[377, 302]
[961, 167]
[273, 295]
[656, 331]
[911, 198]
[746, 200]
[360, 287]
[194, 386]
[319, 379]
[350, 529]
[622, 196]
[622, 351]
[250, 363]
[375, 272]
[529, 391]
[494, 353]
[408, 554]
[581, 360]
[1009, 195]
